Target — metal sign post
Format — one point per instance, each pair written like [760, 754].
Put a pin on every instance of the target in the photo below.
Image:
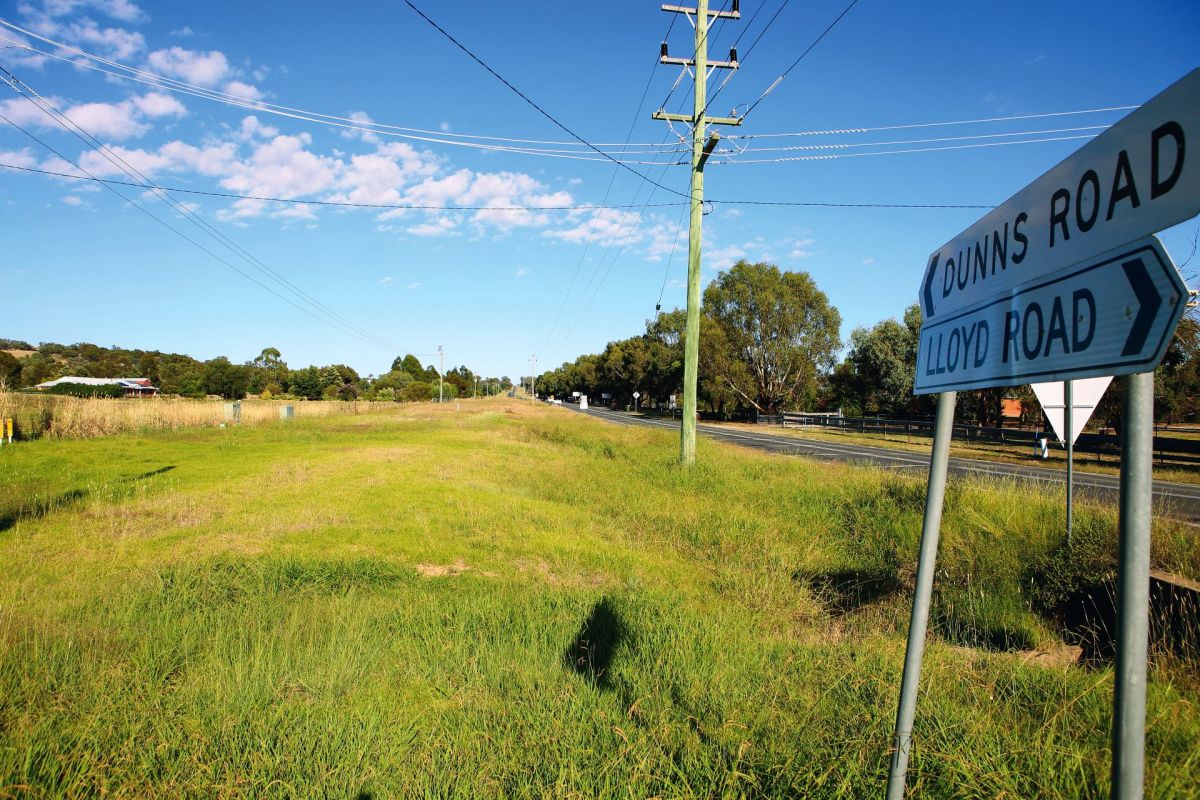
[1068, 402]
[1133, 587]
[1064, 281]
[926, 561]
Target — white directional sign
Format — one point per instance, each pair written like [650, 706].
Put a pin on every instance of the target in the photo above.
[1135, 179]
[1110, 315]
[1085, 396]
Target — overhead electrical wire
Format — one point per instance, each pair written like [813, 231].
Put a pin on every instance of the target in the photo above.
[332, 318]
[903, 142]
[743, 56]
[526, 98]
[717, 202]
[596, 219]
[335, 203]
[800, 58]
[150, 78]
[833, 156]
[981, 121]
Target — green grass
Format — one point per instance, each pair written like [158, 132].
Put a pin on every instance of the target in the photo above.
[513, 601]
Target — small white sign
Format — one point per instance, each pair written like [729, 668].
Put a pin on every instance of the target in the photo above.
[636, 395]
[1085, 396]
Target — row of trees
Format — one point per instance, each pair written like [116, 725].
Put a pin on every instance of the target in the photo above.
[769, 341]
[268, 375]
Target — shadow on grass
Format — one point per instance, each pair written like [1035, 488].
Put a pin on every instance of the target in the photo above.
[42, 507]
[591, 653]
[847, 590]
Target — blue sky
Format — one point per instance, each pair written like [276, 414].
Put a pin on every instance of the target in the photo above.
[493, 287]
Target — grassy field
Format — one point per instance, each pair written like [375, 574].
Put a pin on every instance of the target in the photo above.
[513, 601]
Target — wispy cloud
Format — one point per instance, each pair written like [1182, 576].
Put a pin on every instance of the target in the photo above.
[522, 271]
[411, 286]
[869, 261]
[386, 279]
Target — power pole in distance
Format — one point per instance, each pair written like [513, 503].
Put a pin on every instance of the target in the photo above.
[441, 370]
[532, 376]
[701, 150]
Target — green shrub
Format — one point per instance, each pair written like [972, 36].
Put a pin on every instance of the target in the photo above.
[87, 390]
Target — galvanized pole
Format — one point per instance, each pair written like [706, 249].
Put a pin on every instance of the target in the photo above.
[441, 370]
[691, 338]
[532, 377]
[1133, 586]
[1068, 408]
[934, 495]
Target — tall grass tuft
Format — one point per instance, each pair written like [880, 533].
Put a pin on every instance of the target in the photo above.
[58, 417]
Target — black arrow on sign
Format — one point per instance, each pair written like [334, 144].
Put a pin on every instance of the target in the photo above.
[928, 289]
[1150, 300]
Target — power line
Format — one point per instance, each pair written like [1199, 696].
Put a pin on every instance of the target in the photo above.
[835, 131]
[800, 58]
[95, 179]
[525, 97]
[337, 122]
[833, 156]
[150, 78]
[344, 326]
[336, 203]
[903, 142]
[66, 122]
[671, 258]
[172, 228]
[742, 58]
[596, 219]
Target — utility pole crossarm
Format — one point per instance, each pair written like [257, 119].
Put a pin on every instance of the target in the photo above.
[734, 13]
[688, 118]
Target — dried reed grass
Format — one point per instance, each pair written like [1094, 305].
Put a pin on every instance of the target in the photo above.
[58, 417]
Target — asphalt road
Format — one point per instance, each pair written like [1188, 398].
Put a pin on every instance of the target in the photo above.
[1172, 499]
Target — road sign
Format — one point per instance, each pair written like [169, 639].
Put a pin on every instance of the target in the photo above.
[636, 395]
[1085, 396]
[1110, 315]
[1133, 180]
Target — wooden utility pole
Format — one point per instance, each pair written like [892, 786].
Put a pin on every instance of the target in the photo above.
[701, 150]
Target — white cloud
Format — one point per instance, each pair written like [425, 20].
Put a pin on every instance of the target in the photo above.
[802, 248]
[158, 104]
[243, 90]
[113, 121]
[19, 158]
[282, 167]
[362, 118]
[145, 162]
[386, 279]
[435, 226]
[116, 43]
[869, 261]
[251, 127]
[522, 271]
[204, 69]
[603, 226]
[444, 127]
[575, 181]
[183, 32]
[74, 200]
[723, 257]
[412, 286]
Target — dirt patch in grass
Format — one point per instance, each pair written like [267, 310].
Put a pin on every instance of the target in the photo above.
[442, 570]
